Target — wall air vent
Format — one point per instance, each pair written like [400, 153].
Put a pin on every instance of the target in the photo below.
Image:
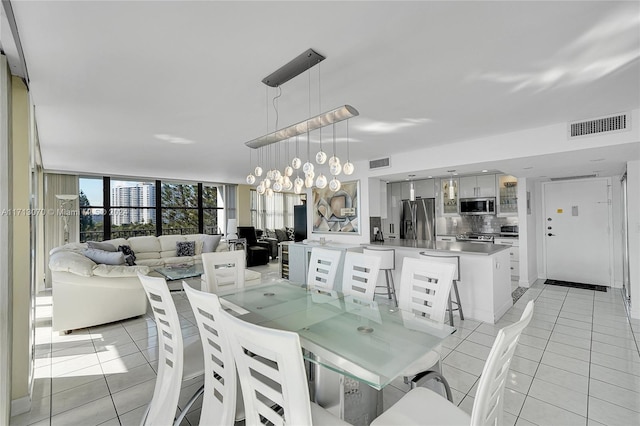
[380, 163]
[574, 177]
[613, 123]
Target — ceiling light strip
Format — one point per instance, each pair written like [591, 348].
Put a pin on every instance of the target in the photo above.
[337, 115]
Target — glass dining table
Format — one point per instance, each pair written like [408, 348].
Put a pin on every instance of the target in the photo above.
[366, 342]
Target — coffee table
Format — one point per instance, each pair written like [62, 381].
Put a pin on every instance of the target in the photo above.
[178, 273]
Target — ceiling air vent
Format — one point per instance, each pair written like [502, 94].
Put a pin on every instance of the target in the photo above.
[613, 123]
[378, 164]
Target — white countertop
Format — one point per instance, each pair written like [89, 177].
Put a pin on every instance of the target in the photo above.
[485, 249]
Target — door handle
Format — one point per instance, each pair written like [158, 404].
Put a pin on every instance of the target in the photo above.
[551, 235]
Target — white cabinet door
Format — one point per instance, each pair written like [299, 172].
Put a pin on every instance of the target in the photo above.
[486, 185]
[468, 186]
[394, 206]
[405, 190]
[425, 188]
[478, 186]
[297, 264]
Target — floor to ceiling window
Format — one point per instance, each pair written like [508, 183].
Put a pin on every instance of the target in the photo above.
[274, 211]
[123, 208]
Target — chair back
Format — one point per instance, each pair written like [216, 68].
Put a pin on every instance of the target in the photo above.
[360, 275]
[489, 401]
[220, 380]
[162, 408]
[249, 233]
[387, 257]
[323, 267]
[446, 258]
[222, 270]
[271, 370]
[425, 287]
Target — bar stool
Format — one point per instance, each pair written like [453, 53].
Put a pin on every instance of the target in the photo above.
[387, 264]
[456, 261]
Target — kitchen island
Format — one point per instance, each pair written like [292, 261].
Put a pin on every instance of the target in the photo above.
[485, 282]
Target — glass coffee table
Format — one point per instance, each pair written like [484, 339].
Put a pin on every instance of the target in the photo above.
[174, 274]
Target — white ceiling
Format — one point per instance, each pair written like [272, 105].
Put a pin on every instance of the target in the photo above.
[107, 77]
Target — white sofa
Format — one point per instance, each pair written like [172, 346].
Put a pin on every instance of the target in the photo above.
[86, 293]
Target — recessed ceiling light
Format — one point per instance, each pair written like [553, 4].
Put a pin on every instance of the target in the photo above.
[596, 160]
[173, 139]
[412, 176]
[429, 176]
[485, 171]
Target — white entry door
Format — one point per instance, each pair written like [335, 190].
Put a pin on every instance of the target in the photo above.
[577, 231]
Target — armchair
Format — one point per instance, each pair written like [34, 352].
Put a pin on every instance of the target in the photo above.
[257, 251]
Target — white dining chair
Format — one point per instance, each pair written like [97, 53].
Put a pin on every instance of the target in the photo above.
[323, 267]
[221, 403]
[223, 270]
[178, 360]
[360, 275]
[272, 376]
[425, 286]
[421, 406]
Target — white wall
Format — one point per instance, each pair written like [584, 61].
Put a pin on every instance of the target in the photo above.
[633, 196]
[539, 141]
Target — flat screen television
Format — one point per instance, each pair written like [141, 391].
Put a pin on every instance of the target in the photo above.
[300, 222]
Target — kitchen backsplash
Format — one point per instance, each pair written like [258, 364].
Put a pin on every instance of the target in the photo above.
[488, 224]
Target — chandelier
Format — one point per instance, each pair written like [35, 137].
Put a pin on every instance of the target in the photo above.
[278, 181]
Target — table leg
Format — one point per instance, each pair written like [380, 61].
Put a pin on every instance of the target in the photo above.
[353, 401]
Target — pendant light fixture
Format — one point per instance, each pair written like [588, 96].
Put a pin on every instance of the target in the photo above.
[348, 168]
[278, 181]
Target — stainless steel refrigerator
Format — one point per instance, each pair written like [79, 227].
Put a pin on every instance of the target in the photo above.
[418, 219]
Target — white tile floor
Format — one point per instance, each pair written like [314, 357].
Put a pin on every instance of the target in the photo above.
[577, 363]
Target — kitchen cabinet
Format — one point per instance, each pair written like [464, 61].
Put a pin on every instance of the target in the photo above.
[478, 186]
[507, 195]
[405, 190]
[425, 188]
[514, 255]
[394, 210]
[449, 196]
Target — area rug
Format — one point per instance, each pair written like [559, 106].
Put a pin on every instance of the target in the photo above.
[577, 285]
[517, 293]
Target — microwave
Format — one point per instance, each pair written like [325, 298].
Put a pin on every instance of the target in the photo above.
[477, 206]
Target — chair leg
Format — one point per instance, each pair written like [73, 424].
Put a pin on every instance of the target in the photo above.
[455, 289]
[450, 310]
[428, 375]
[187, 407]
[393, 287]
[386, 275]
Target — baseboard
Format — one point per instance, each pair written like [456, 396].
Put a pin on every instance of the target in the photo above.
[20, 405]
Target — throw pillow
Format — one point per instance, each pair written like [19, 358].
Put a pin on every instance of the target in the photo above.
[281, 235]
[291, 234]
[185, 248]
[106, 257]
[210, 243]
[100, 246]
[128, 251]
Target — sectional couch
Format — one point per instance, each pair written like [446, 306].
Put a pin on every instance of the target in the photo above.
[86, 293]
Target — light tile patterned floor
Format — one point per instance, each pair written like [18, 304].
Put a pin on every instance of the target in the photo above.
[577, 363]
